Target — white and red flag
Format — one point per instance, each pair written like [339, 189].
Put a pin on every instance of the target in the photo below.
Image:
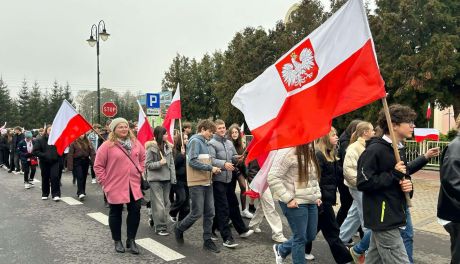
[174, 112]
[421, 134]
[428, 111]
[144, 129]
[329, 73]
[67, 126]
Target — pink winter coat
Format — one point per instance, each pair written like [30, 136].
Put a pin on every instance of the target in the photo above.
[117, 174]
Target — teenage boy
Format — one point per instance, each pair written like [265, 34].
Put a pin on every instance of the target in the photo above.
[199, 181]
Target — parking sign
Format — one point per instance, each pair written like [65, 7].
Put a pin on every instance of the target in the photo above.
[152, 100]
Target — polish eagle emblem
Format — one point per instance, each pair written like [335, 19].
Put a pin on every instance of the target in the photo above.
[299, 71]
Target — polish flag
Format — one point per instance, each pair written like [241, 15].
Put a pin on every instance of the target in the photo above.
[428, 111]
[67, 126]
[144, 130]
[174, 112]
[242, 130]
[259, 184]
[421, 134]
[3, 127]
[329, 73]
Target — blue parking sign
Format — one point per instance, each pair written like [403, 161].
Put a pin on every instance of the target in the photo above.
[152, 100]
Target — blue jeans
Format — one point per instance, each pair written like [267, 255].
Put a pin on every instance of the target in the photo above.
[354, 218]
[363, 245]
[303, 222]
[407, 234]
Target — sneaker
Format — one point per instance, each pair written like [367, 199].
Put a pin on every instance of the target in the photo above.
[230, 243]
[279, 238]
[257, 230]
[173, 219]
[16, 172]
[10, 171]
[151, 223]
[44, 197]
[26, 185]
[278, 258]
[178, 235]
[309, 256]
[81, 196]
[247, 234]
[21, 172]
[56, 198]
[247, 214]
[93, 181]
[209, 245]
[162, 233]
[31, 182]
[252, 208]
[214, 237]
[357, 258]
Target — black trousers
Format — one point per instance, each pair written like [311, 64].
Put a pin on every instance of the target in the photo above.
[14, 161]
[80, 172]
[345, 202]
[29, 171]
[4, 157]
[454, 231]
[234, 208]
[50, 174]
[180, 207]
[328, 225]
[132, 220]
[221, 210]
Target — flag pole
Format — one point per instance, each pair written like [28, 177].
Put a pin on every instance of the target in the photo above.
[180, 132]
[393, 139]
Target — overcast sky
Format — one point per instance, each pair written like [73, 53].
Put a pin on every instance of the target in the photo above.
[46, 40]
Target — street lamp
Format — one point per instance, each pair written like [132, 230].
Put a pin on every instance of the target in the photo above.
[98, 32]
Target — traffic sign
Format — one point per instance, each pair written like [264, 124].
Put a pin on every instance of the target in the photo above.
[152, 100]
[109, 109]
[153, 111]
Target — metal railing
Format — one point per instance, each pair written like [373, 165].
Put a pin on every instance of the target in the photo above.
[414, 149]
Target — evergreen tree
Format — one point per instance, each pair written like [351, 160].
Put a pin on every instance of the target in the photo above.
[5, 104]
[35, 108]
[25, 115]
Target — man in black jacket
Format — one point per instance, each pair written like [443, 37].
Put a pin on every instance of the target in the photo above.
[384, 184]
[449, 195]
[14, 154]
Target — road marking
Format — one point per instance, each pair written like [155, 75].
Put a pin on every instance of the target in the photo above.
[70, 201]
[100, 217]
[159, 249]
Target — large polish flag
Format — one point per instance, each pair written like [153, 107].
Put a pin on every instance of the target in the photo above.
[67, 126]
[421, 134]
[144, 129]
[174, 112]
[331, 72]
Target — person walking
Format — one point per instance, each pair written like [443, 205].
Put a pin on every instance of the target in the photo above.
[118, 166]
[4, 149]
[180, 207]
[49, 166]
[449, 193]
[293, 180]
[199, 181]
[161, 173]
[18, 136]
[80, 157]
[28, 161]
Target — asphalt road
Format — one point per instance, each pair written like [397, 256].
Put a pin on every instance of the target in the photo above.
[36, 231]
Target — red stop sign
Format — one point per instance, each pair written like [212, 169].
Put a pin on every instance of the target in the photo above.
[109, 109]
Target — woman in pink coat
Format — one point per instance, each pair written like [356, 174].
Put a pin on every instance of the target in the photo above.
[120, 180]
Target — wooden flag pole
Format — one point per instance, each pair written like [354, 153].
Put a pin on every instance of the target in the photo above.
[393, 139]
[180, 131]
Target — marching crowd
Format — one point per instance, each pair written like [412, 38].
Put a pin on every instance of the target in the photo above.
[196, 177]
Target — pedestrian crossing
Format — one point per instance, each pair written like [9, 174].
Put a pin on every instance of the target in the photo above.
[70, 201]
[159, 249]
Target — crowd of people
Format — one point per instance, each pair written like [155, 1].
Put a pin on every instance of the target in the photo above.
[196, 177]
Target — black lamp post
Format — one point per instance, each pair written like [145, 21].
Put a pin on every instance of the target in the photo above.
[98, 32]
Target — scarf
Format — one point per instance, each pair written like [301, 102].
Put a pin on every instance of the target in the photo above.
[126, 144]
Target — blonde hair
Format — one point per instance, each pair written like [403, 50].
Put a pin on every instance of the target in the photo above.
[323, 144]
[113, 137]
[361, 128]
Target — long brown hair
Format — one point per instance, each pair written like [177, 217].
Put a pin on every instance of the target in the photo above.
[83, 143]
[305, 157]
[323, 144]
[238, 143]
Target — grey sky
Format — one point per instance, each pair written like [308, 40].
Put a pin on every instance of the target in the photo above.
[45, 40]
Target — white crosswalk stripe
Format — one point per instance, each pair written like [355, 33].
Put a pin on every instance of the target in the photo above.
[159, 249]
[100, 217]
[70, 201]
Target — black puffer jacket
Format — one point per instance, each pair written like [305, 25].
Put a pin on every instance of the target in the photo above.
[331, 172]
[449, 193]
[46, 153]
[384, 202]
[179, 164]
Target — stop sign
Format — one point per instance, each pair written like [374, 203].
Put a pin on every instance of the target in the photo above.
[109, 109]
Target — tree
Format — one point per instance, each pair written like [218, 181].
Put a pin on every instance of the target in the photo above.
[25, 114]
[34, 106]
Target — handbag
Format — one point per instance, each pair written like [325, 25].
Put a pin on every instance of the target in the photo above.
[144, 183]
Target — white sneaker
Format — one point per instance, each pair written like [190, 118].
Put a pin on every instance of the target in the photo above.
[279, 238]
[173, 219]
[247, 234]
[21, 172]
[278, 258]
[26, 185]
[257, 230]
[247, 214]
[44, 198]
[15, 172]
[81, 196]
[93, 181]
[309, 257]
[56, 198]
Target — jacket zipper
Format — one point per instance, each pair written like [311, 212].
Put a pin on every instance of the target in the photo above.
[382, 215]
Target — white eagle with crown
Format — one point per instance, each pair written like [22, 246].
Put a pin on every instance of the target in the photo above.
[295, 73]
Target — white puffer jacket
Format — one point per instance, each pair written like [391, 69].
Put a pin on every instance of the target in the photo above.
[350, 163]
[283, 179]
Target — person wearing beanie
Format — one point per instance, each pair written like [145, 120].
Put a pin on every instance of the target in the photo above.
[118, 167]
[28, 161]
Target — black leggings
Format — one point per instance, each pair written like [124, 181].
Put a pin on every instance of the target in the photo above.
[27, 168]
[132, 220]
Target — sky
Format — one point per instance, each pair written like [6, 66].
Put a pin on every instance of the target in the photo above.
[46, 40]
